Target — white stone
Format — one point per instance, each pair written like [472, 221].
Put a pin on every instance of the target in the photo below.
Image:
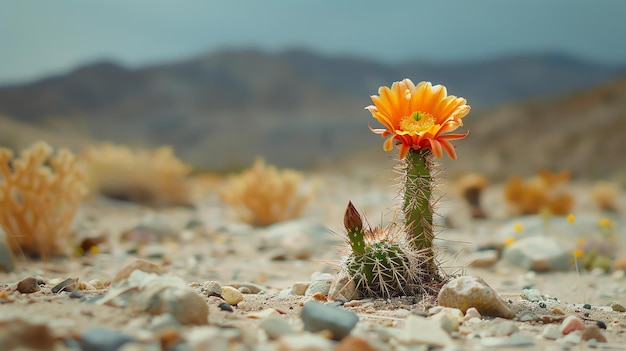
[551, 331]
[466, 291]
[419, 330]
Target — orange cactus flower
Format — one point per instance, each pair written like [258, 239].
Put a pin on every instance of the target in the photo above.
[418, 117]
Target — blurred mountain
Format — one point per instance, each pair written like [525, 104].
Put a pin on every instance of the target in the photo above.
[296, 108]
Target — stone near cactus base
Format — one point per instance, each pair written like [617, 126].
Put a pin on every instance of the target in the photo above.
[320, 283]
[467, 291]
[419, 330]
[343, 288]
[318, 316]
[538, 253]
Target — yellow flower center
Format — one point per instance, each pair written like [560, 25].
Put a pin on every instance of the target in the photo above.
[417, 122]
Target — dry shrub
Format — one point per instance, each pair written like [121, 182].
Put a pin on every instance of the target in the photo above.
[263, 194]
[470, 187]
[39, 196]
[605, 194]
[545, 191]
[150, 177]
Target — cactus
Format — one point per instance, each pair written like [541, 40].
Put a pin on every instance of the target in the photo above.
[381, 264]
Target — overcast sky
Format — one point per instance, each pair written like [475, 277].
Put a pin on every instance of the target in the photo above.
[39, 38]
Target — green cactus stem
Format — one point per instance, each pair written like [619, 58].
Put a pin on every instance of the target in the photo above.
[417, 206]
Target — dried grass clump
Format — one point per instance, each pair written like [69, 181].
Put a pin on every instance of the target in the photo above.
[39, 196]
[545, 191]
[155, 178]
[263, 194]
[470, 187]
[605, 195]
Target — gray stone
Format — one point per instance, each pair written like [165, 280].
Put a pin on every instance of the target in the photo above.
[483, 258]
[317, 317]
[211, 288]
[467, 291]
[538, 253]
[102, 339]
[551, 331]
[6, 257]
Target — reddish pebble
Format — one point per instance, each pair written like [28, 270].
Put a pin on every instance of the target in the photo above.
[353, 343]
[570, 324]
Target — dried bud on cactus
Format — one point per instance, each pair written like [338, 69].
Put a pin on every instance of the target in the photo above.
[352, 219]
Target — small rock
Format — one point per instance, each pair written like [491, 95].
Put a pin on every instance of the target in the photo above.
[69, 285]
[499, 328]
[253, 288]
[97, 283]
[449, 319]
[138, 264]
[571, 338]
[303, 342]
[317, 317]
[276, 327]
[570, 324]
[231, 295]
[538, 253]
[467, 291]
[103, 339]
[225, 307]
[353, 343]
[28, 285]
[245, 290]
[532, 295]
[593, 332]
[551, 331]
[618, 307]
[299, 288]
[76, 295]
[419, 330]
[6, 257]
[343, 288]
[320, 283]
[471, 312]
[211, 288]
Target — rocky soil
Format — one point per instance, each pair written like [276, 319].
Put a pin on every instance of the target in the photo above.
[205, 281]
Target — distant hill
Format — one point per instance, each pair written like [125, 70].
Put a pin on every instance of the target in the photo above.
[296, 108]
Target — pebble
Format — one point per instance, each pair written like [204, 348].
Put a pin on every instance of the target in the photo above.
[449, 319]
[538, 253]
[231, 295]
[471, 312]
[28, 285]
[266, 313]
[468, 291]
[618, 307]
[571, 338]
[211, 288]
[69, 285]
[275, 327]
[499, 328]
[299, 288]
[419, 330]
[320, 283]
[253, 288]
[156, 295]
[76, 295]
[225, 307]
[208, 339]
[593, 332]
[103, 339]
[317, 317]
[343, 288]
[551, 331]
[6, 257]
[532, 295]
[138, 264]
[22, 334]
[571, 323]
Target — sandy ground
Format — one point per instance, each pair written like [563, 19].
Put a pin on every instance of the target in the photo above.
[220, 249]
